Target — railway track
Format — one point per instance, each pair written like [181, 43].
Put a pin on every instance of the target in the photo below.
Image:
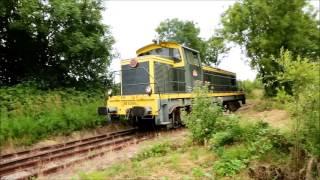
[46, 160]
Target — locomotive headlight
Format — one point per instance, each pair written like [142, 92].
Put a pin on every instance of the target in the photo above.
[148, 110]
[109, 92]
[148, 90]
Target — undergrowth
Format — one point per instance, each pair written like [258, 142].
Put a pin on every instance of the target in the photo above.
[249, 87]
[157, 150]
[29, 114]
[235, 141]
[239, 145]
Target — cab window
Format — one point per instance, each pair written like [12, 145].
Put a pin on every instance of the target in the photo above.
[192, 57]
[171, 53]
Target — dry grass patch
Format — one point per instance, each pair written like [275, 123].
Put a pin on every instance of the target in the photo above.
[256, 110]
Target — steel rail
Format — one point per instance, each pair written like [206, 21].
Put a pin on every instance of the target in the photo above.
[46, 160]
[5, 157]
[60, 151]
[56, 168]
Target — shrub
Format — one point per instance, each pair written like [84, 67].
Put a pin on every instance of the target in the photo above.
[228, 131]
[221, 138]
[303, 77]
[237, 145]
[205, 113]
[228, 167]
[235, 142]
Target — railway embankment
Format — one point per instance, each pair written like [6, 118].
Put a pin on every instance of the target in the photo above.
[30, 115]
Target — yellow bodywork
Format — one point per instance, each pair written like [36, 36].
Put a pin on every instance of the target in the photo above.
[163, 44]
[128, 101]
[123, 103]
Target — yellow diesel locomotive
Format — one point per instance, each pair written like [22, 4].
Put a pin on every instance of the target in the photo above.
[156, 85]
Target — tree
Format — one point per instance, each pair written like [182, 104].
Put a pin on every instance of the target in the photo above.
[214, 47]
[263, 27]
[56, 43]
[187, 34]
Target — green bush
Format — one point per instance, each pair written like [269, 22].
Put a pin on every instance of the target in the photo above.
[235, 142]
[228, 167]
[201, 121]
[303, 98]
[29, 114]
[221, 138]
[237, 151]
[228, 131]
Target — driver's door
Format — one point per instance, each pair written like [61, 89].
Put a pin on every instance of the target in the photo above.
[193, 68]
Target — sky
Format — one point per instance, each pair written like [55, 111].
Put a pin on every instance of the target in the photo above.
[133, 25]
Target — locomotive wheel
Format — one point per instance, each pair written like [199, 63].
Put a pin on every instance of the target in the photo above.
[176, 118]
[233, 106]
[112, 118]
[145, 123]
[133, 121]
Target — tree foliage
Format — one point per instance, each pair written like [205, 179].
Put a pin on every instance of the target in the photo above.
[304, 77]
[187, 33]
[263, 27]
[214, 48]
[56, 42]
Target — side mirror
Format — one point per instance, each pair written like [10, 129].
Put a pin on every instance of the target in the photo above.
[108, 93]
[176, 57]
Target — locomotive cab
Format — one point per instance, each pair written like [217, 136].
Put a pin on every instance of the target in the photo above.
[157, 84]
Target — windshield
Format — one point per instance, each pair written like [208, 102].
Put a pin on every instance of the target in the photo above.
[172, 53]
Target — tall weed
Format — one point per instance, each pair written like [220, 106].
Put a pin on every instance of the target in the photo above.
[29, 114]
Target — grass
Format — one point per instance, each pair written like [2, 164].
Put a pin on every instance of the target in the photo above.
[183, 162]
[193, 162]
[29, 114]
[186, 162]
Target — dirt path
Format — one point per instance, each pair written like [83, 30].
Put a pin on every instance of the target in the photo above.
[275, 117]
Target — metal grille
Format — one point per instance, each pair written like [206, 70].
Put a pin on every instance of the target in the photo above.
[220, 82]
[135, 80]
[168, 79]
